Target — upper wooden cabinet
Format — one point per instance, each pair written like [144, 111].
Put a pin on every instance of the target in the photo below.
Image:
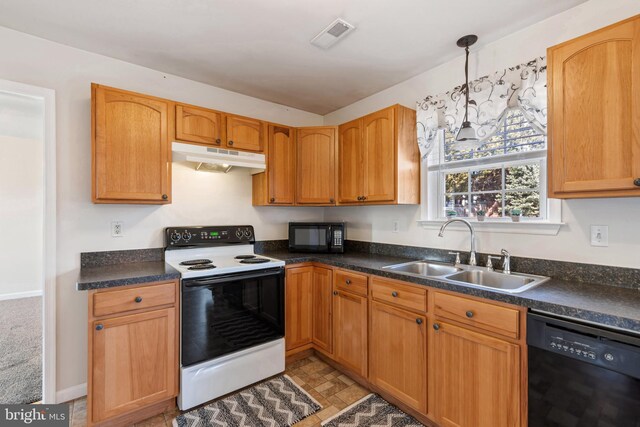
[244, 133]
[315, 166]
[378, 159]
[199, 125]
[594, 120]
[130, 147]
[276, 185]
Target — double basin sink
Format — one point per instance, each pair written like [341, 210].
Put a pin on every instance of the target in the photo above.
[469, 275]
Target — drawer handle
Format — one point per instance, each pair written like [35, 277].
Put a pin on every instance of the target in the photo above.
[394, 294]
[335, 292]
[348, 282]
[469, 314]
[436, 326]
[636, 182]
[419, 321]
[138, 299]
[99, 327]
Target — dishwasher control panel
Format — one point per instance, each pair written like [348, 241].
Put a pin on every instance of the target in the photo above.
[577, 348]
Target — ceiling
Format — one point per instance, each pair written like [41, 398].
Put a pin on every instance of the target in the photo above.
[261, 47]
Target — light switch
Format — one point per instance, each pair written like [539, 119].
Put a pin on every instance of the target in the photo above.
[599, 235]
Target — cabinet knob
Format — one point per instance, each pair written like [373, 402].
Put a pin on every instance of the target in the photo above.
[165, 197]
[436, 326]
[361, 198]
[636, 182]
[419, 321]
[331, 201]
[272, 200]
[218, 141]
[99, 327]
[364, 198]
[394, 294]
[348, 281]
[138, 299]
[230, 143]
[469, 314]
[335, 292]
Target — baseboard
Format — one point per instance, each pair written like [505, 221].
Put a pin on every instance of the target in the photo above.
[71, 393]
[18, 295]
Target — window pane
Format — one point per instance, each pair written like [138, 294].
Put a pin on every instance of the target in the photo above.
[522, 177]
[486, 180]
[457, 205]
[457, 182]
[527, 201]
[490, 203]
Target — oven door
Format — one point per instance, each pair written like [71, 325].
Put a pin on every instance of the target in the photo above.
[309, 237]
[227, 313]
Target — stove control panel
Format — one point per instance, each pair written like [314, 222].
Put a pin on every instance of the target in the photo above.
[182, 237]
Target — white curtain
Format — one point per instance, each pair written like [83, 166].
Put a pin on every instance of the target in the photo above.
[523, 87]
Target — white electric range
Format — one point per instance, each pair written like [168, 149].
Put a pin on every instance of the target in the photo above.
[232, 311]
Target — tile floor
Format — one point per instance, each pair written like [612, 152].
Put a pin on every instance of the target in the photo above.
[333, 390]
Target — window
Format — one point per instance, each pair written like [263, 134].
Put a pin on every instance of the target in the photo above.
[505, 173]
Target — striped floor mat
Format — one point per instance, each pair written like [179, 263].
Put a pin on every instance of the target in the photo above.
[372, 410]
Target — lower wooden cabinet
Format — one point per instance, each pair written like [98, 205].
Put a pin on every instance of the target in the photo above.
[350, 331]
[398, 354]
[133, 355]
[298, 307]
[322, 309]
[477, 379]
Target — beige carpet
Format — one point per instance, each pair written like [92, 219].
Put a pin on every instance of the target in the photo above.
[21, 350]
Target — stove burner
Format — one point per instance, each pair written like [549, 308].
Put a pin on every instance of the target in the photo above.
[196, 262]
[245, 256]
[202, 267]
[254, 261]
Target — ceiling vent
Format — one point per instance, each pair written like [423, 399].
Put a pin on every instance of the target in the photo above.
[337, 30]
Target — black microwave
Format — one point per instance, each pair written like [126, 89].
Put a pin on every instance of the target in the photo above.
[325, 237]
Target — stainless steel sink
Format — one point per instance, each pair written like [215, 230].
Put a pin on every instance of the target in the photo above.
[424, 268]
[514, 282]
[470, 275]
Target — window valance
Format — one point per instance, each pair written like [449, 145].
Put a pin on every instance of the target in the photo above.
[521, 87]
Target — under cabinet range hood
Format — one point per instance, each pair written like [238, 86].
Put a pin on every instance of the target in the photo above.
[217, 159]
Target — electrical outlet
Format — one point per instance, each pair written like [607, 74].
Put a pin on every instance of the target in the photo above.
[117, 229]
[599, 235]
[396, 226]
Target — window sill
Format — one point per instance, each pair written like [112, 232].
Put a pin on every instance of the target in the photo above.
[544, 228]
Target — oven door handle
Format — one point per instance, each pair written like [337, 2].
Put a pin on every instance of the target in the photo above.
[233, 277]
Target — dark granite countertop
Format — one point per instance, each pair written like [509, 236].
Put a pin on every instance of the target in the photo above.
[611, 306]
[108, 276]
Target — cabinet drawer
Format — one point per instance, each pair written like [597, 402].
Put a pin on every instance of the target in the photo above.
[351, 282]
[482, 315]
[112, 302]
[405, 296]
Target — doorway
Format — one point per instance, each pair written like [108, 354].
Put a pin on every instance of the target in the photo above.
[27, 255]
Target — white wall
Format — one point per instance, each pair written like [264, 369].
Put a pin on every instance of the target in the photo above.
[198, 197]
[572, 242]
[21, 215]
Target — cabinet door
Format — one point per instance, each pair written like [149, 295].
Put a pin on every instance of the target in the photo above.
[134, 362]
[477, 379]
[244, 133]
[281, 165]
[322, 301]
[315, 166]
[378, 136]
[130, 147]
[350, 331]
[198, 125]
[594, 122]
[398, 354]
[298, 307]
[350, 163]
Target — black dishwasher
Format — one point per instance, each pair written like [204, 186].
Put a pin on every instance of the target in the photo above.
[581, 375]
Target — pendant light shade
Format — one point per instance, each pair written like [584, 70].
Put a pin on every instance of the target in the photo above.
[466, 138]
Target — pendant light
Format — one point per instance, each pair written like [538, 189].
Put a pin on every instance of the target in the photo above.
[466, 138]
